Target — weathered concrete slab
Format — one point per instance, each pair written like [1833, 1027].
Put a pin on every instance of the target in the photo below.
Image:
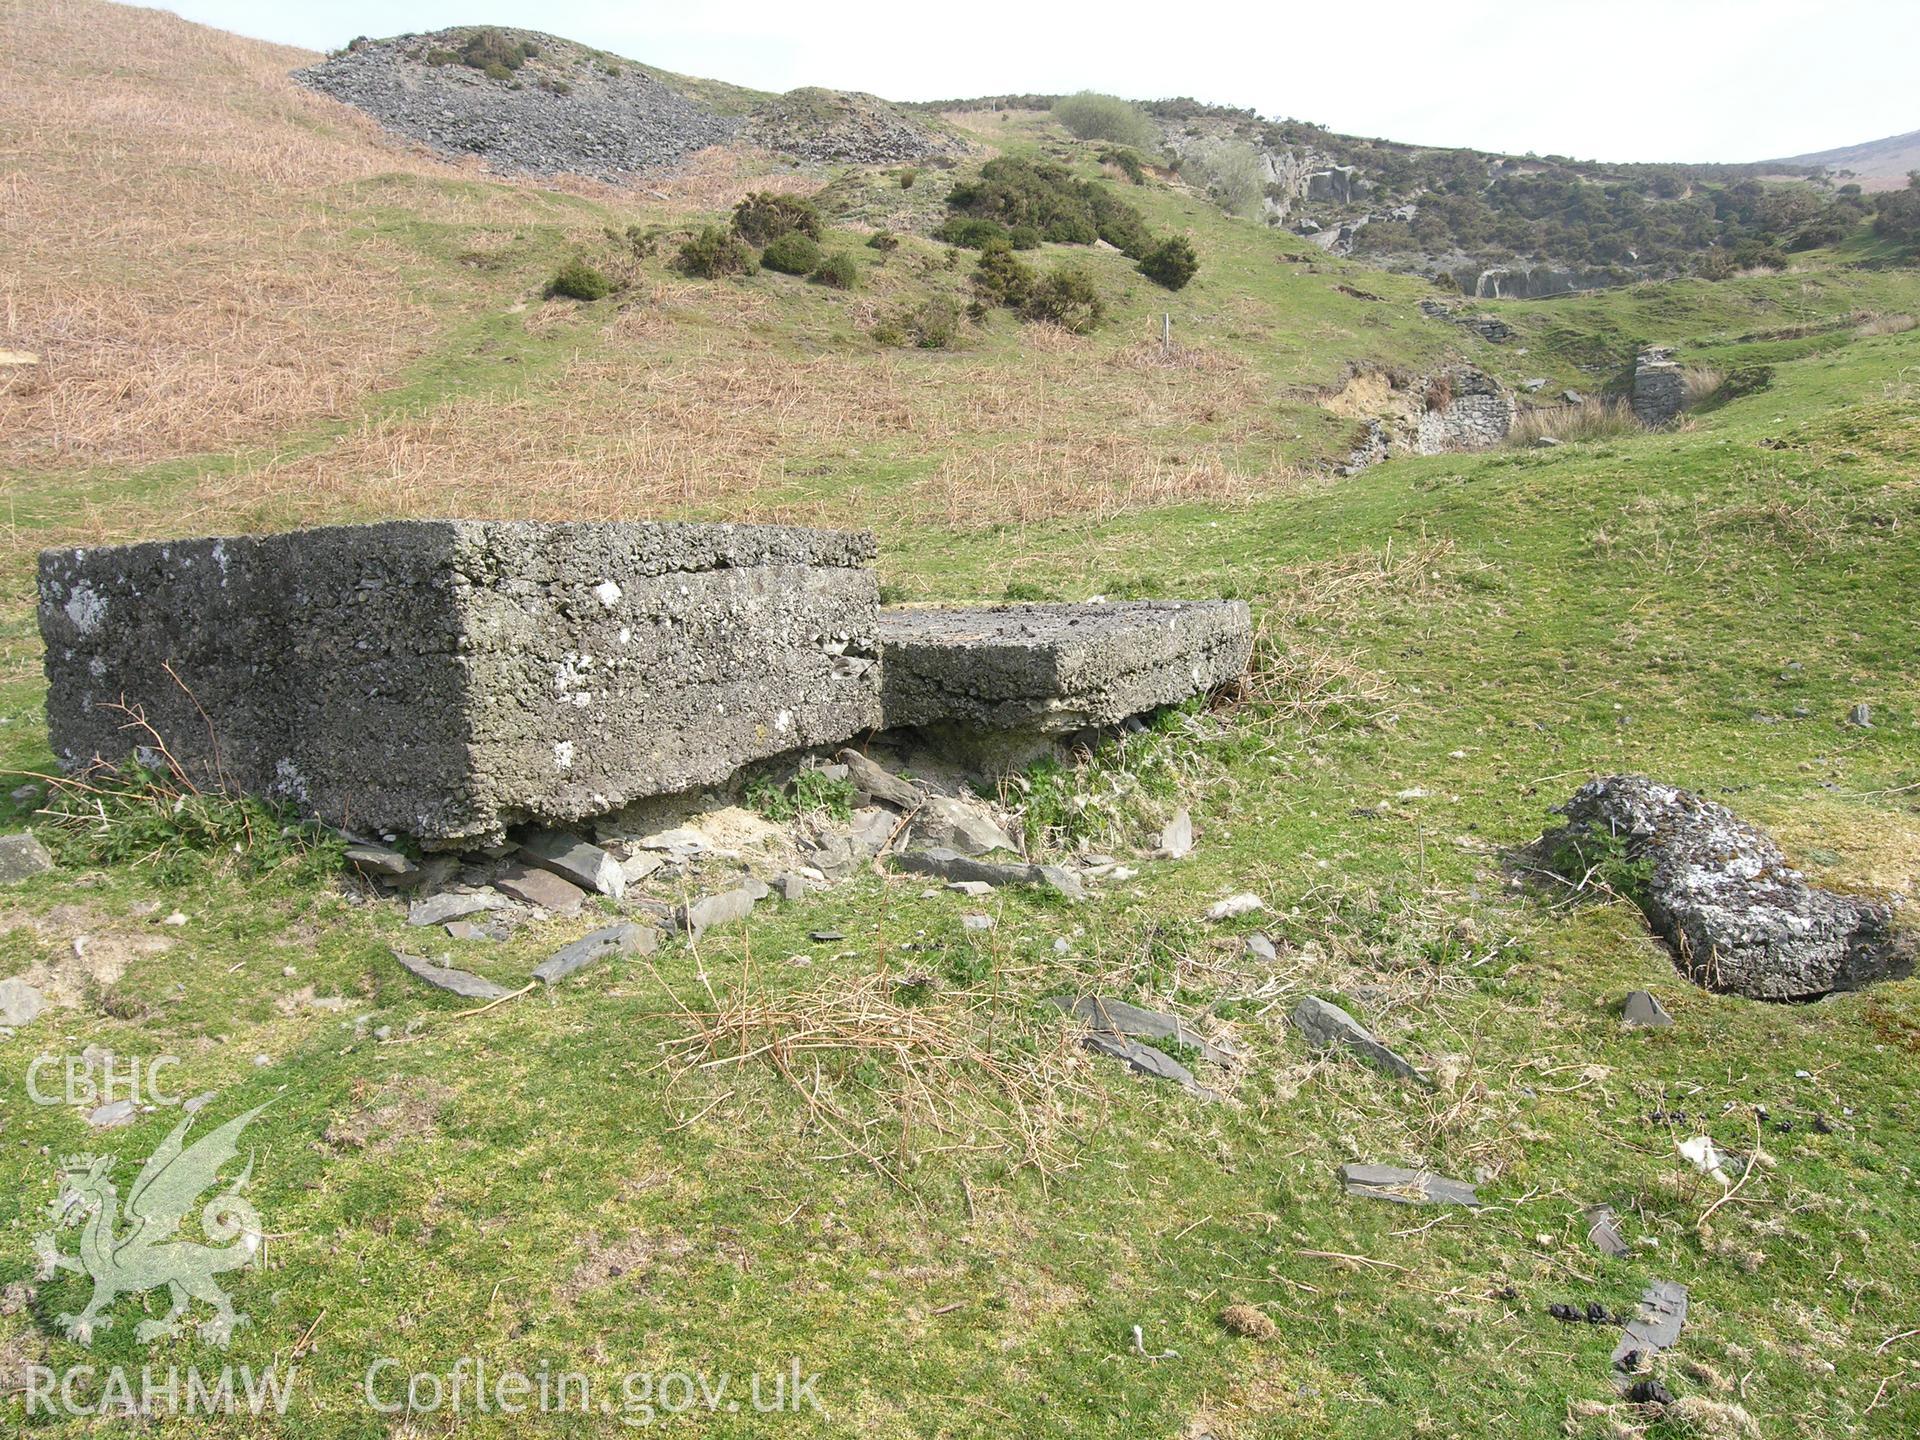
[1055, 669]
[447, 679]
[1720, 892]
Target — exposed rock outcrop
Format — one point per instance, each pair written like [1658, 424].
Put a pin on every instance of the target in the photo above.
[1537, 282]
[1738, 916]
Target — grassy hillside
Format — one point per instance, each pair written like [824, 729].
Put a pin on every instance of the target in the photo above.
[256, 311]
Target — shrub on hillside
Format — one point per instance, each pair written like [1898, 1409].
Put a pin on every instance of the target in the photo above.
[1089, 116]
[1024, 237]
[1037, 193]
[490, 52]
[1067, 298]
[1232, 174]
[1127, 163]
[970, 232]
[1118, 223]
[883, 241]
[791, 254]
[935, 323]
[577, 280]
[838, 270]
[1171, 263]
[907, 177]
[715, 252]
[1896, 215]
[764, 216]
[1004, 278]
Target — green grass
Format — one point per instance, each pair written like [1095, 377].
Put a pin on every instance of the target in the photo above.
[537, 1185]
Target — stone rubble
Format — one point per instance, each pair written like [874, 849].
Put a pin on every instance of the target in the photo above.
[602, 944]
[575, 860]
[463, 983]
[540, 887]
[22, 856]
[1406, 1187]
[1326, 1026]
[948, 864]
[1641, 1011]
[612, 120]
[20, 1003]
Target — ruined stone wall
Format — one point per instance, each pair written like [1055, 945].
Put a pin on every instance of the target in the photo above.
[1475, 414]
[1659, 388]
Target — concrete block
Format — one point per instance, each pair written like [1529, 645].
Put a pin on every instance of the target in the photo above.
[1055, 669]
[449, 679]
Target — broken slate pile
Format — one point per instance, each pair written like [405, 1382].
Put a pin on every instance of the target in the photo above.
[1719, 891]
[566, 110]
[1129, 1033]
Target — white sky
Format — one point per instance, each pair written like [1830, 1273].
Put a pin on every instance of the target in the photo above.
[1667, 80]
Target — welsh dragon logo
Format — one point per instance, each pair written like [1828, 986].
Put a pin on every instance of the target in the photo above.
[132, 1246]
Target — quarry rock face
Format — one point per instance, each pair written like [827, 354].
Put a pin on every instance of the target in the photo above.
[1056, 669]
[1738, 917]
[448, 679]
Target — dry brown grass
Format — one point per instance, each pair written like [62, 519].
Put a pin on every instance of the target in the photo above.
[679, 414]
[1300, 672]
[1592, 419]
[186, 257]
[1884, 325]
[892, 1069]
[170, 263]
[1701, 381]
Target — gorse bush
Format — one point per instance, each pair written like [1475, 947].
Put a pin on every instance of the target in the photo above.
[1127, 163]
[764, 216]
[934, 323]
[1171, 263]
[840, 271]
[715, 252]
[1046, 197]
[577, 280]
[1089, 116]
[970, 232]
[489, 51]
[883, 241]
[1003, 278]
[1066, 297]
[791, 254]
